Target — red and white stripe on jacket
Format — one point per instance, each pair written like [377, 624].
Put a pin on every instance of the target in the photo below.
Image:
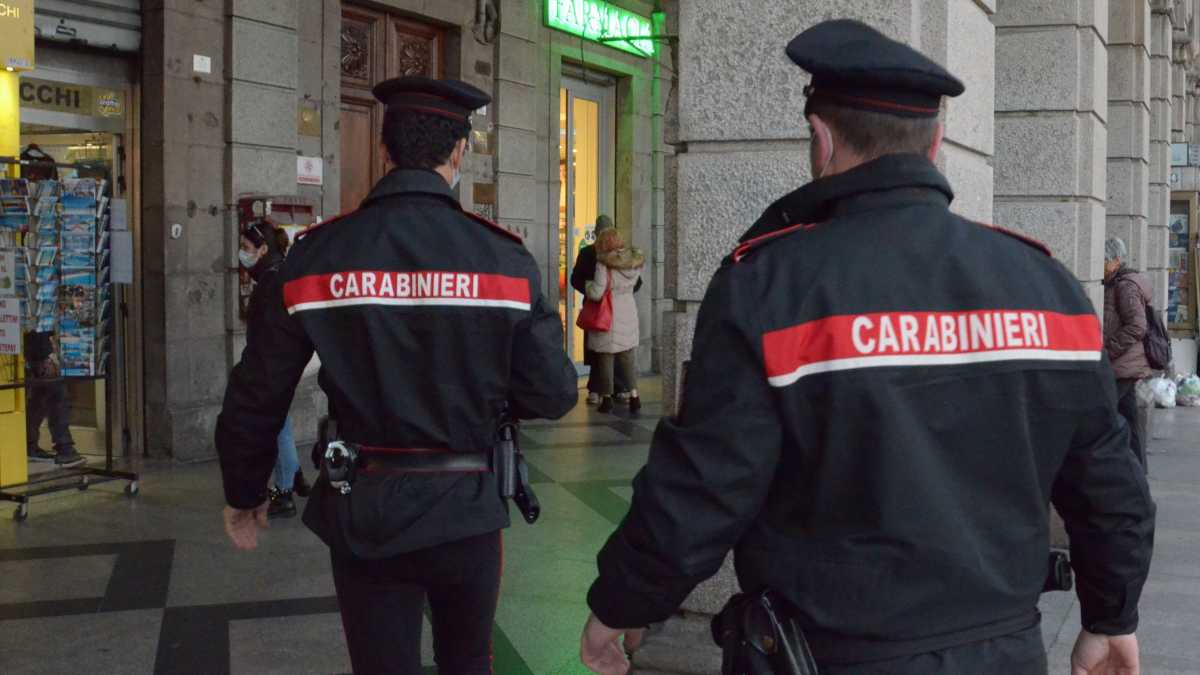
[889, 339]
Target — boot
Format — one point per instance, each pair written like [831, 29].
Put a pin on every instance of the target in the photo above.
[606, 406]
[299, 485]
[281, 505]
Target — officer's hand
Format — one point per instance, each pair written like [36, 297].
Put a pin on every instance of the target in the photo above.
[1105, 655]
[242, 525]
[600, 648]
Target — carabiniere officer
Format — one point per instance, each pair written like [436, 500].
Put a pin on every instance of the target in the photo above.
[429, 322]
[883, 400]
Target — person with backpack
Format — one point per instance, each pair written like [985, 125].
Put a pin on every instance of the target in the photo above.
[1126, 297]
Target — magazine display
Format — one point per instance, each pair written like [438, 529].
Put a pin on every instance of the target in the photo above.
[59, 230]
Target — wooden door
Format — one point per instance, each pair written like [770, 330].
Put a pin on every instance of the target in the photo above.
[376, 46]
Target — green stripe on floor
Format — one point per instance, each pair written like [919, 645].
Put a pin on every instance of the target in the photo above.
[598, 495]
[505, 659]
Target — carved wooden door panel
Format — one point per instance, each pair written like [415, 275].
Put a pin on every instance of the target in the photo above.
[374, 47]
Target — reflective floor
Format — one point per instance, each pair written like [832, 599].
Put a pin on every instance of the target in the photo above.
[100, 583]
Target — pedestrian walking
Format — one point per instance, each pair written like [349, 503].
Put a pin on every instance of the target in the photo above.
[618, 272]
[1126, 296]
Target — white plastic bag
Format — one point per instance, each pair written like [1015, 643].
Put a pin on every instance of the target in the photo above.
[1190, 386]
[1165, 392]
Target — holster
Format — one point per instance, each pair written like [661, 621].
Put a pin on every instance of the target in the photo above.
[757, 636]
[512, 474]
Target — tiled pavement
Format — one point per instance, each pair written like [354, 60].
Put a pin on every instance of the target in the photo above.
[100, 583]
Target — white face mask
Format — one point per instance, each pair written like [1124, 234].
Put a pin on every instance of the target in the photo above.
[248, 258]
[457, 177]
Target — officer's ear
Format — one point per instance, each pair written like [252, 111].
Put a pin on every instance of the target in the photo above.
[939, 132]
[458, 153]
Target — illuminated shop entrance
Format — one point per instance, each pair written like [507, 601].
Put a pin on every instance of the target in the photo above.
[586, 144]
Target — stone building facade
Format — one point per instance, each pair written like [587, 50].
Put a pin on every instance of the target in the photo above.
[1065, 133]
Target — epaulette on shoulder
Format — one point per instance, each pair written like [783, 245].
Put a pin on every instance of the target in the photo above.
[484, 221]
[749, 245]
[315, 226]
[1024, 239]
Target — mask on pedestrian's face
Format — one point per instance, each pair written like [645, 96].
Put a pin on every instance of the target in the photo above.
[248, 259]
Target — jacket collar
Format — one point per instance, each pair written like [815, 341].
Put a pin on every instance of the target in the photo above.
[888, 181]
[411, 181]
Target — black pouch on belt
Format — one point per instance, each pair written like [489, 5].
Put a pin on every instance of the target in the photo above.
[758, 638]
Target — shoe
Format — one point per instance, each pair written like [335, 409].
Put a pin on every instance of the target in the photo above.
[593, 398]
[36, 454]
[299, 485]
[606, 406]
[282, 505]
[622, 396]
[68, 457]
[635, 405]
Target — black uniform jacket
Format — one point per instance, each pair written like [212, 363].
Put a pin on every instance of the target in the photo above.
[879, 409]
[427, 320]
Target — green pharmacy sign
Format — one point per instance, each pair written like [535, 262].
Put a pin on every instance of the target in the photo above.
[600, 21]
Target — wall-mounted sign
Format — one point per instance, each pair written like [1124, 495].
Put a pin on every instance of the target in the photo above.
[77, 99]
[1179, 154]
[310, 171]
[602, 22]
[16, 34]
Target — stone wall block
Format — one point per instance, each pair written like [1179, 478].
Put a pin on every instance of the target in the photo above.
[1090, 242]
[1054, 223]
[264, 54]
[678, 331]
[1160, 120]
[190, 435]
[971, 56]
[1128, 73]
[1037, 155]
[513, 197]
[1128, 22]
[262, 170]
[515, 106]
[519, 60]
[276, 12]
[1039, 13]
[1160, 78]
[261, 115]
[971, 177]
[1093, 77]
[717, 87]
[1093, 157]
[1047, 55]
[720, 197]
[1128, 130]
[521, 19]
[516, 151]
[1161, 40]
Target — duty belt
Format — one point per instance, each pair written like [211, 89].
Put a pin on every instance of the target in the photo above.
[341, 461]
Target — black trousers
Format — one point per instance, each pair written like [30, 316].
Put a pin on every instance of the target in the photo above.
[1021, 653]
[47, 399]
[383, 601]
[1127, 405]
[621, 382]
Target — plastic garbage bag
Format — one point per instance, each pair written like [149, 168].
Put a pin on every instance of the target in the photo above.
[1165, 392]
[1190, 386]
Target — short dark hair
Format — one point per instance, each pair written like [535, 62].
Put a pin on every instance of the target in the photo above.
[874, 134]
[420, 140]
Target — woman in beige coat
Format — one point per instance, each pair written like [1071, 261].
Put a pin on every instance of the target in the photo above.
[620, 267]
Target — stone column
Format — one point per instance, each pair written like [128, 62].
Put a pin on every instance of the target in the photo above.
[1161, 76]
[184, 261]
[1129, 125]
[736, 121]
[1051, 140]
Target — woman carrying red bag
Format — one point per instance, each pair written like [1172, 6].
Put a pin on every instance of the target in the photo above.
[618, 269]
